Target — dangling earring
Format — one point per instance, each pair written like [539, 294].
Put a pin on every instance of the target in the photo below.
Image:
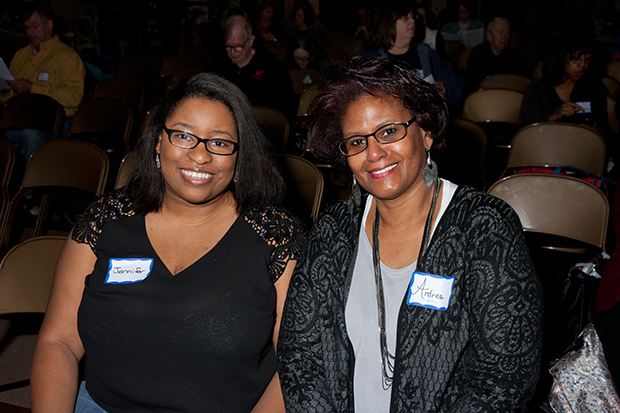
[236, 177]
[157, 161]
[356, 193]
[430, 170]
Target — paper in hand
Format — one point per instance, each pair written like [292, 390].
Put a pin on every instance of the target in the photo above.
[5, 75]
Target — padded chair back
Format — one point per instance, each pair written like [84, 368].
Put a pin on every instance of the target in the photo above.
[493, 105]
[304, 186]
[613, 70]
[172, 64]
[302, 78]
[125, 169]
[60, 163]
[509, 81]
[463, 158]
[553, 144]
[306, 98]
[276, 124]
[461, 63]
[26, 275]
[103, 117]
[557, 205]
[128, 90]
[33, 111]
[353, 48]
[611, 115]
[612, 85]
[454, 49]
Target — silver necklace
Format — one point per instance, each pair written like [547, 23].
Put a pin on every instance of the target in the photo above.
[387, 359]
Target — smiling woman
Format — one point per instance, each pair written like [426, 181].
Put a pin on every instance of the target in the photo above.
[400, 299]
[173, 286]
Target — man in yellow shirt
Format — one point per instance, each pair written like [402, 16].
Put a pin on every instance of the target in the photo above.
[47, 67]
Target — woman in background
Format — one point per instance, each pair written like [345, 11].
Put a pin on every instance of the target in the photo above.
[394, 36]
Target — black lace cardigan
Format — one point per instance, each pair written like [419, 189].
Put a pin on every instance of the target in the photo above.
[481, 355]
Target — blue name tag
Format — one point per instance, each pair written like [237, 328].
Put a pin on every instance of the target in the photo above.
[128, 270]
[430, 291]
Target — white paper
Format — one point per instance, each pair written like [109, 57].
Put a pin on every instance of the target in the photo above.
[472, 38]
[5, 74]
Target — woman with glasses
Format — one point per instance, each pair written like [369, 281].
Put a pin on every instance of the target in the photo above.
[420, 295]
[173, 286]
[304, 52]
[398, 34]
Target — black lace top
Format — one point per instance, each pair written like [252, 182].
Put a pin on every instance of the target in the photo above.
[200, 340]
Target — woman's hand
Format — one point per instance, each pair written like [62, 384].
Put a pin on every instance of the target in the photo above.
[440, 88]
[567, 109]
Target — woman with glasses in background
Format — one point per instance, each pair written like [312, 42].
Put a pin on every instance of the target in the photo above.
[419, 296]
[173, 286]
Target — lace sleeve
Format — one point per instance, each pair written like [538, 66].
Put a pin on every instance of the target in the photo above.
[112, 205]
[280, 230]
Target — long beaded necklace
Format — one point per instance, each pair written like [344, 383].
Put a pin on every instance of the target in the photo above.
[387, 359]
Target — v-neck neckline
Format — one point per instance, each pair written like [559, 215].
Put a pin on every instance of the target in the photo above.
[202, 257]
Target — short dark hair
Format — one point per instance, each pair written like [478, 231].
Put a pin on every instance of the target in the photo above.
[43, 9]
[306, 7]
[259, 184]
[384, 31]
[266, 3]
[567, 49]
[351, 80]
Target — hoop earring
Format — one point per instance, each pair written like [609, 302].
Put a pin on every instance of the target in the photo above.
[430, 174]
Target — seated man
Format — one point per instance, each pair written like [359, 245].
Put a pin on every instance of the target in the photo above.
[257, 72]
[493, 57]
[47, 67]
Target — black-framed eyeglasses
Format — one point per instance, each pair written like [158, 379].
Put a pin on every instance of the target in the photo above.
[390, 133]
[215, 146]
[238, 47]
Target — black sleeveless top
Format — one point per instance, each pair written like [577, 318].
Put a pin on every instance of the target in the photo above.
[198, 341]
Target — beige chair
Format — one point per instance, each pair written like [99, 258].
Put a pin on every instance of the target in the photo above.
[463, 159]
[7, 160]
[569, 214]
[304, 187]
[612, 85]
[276, 125]
[55, 165]
[33, 111]
[510, 81]
[553, 144]
[461, 63]
[302, 78]
[493, 105]
[105, 122]
[353, 48]
[125, 169]
[611, 115]
[454, 50]
[613, 70]
[127, 90]
[306, 98]
[26, 275]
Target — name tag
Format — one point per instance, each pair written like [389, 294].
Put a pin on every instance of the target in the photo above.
[128, 270]
[587, 107]
[430, 291]
[43, 77]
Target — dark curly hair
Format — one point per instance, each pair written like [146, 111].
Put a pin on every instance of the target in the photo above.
[259, 181]
[351, 80]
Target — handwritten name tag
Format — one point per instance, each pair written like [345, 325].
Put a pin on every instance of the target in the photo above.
[430, 291]
[43, 77]
[128, 270]
[587, 107]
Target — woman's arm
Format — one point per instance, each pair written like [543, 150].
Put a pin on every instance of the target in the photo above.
[271, 400]
[54, 377]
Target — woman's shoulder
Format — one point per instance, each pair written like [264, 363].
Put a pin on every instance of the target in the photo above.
[474, 206]
[112, 205]
[275, 225]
